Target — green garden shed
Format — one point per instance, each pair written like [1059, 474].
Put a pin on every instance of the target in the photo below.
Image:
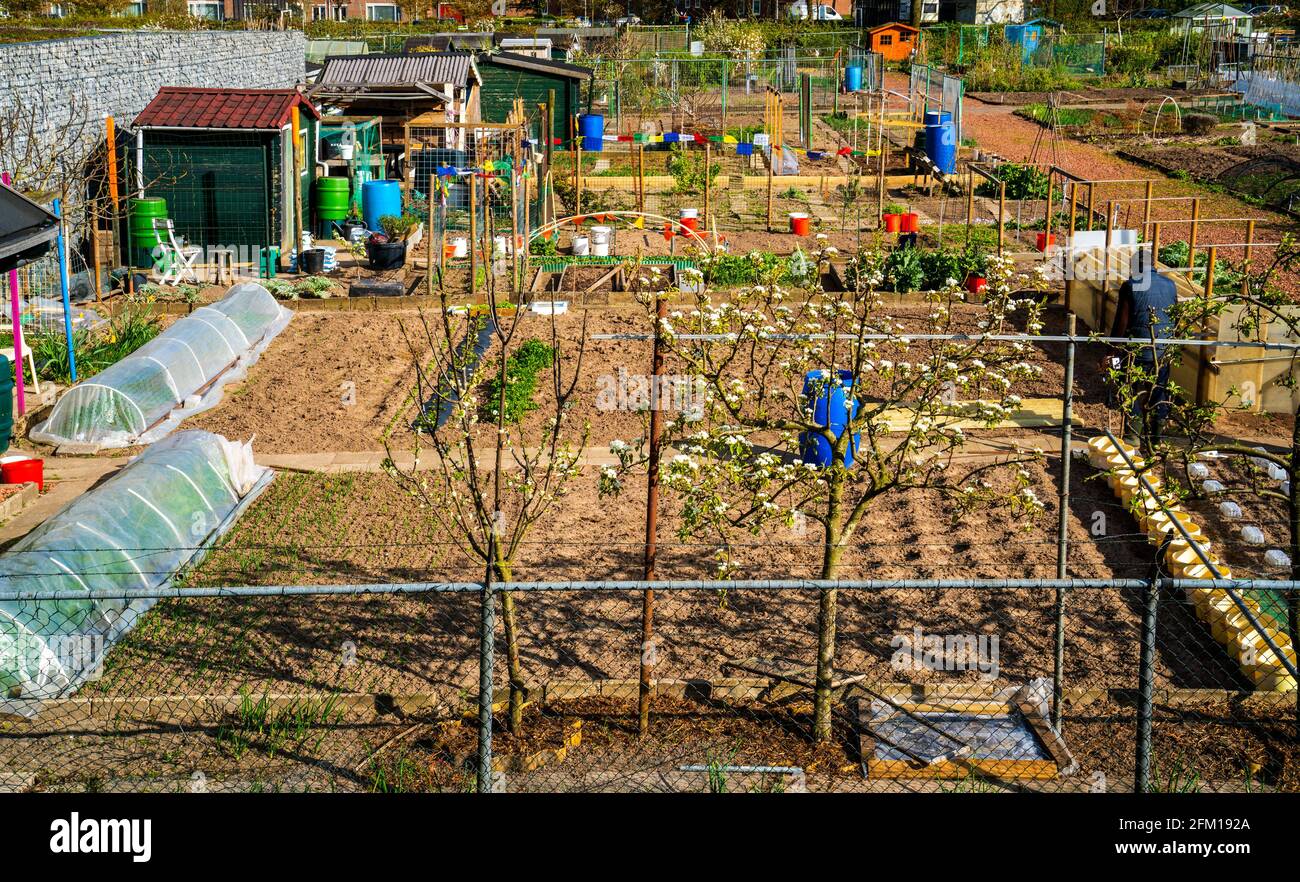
[507, 75]
[223, 161]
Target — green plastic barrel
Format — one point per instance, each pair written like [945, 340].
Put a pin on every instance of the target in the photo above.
[332, 198]
[6, 404]
[144, 238]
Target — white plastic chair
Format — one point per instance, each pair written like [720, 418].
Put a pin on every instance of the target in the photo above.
[7, 333]
[178, 260]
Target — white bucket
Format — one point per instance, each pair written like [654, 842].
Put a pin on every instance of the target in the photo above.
[460, 247]
[581, 246]
[345, 151]
[501, 245]
[601, 237]
[684, 213]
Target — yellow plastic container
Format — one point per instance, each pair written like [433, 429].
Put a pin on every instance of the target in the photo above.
[1157, 524]
[1269, 674]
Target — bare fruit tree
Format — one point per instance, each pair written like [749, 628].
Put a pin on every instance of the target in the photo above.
[483, 474]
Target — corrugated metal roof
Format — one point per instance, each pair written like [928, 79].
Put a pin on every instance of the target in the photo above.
[541, 65]
[433, 68]
[200, 108]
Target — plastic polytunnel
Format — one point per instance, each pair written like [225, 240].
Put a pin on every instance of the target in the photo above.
[129, 535]
[177, 374]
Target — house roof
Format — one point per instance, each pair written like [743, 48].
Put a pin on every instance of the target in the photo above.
[433, 68]
[541, 65]
[1212, 10]
[26, 229]
[201, 108]
[894, 25]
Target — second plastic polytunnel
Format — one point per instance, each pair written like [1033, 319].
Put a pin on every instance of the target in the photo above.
[177, 374]
[128, 536]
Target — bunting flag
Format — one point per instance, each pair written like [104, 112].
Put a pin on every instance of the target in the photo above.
[743, 148]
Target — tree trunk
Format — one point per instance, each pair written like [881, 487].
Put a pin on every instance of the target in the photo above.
[831, 552]
[513, 668]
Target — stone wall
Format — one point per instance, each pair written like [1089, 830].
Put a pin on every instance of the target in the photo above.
[86, 78]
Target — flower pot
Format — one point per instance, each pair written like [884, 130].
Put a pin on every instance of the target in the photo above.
[911, 222]
[386, 255]
[892, 222]
[312, 261]
[975, 284]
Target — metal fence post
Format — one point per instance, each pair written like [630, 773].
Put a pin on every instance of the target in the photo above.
[1062, 524]
[1146, 679]
[486, 662]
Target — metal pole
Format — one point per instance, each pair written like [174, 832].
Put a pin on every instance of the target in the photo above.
[1146, 681]
[1062, 524]
[651, 520]
[63, 284]
[486, 662]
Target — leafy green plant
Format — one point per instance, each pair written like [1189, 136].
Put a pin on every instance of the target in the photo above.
[688, 170]
[315, 286]
[1177, 254]
[1022, 181]
[522, 367]
[895, 208]
[132, 327]
[904, 271]
[724, 270]
[941, 265]
[398, 227]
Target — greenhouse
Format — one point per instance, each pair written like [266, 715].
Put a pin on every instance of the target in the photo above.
[131, 534]
[179, 373]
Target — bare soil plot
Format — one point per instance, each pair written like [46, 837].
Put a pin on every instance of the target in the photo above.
[330, 381]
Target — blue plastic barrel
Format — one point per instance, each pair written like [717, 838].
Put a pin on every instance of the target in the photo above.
[592, 128]
[832, 406]
[853, 78]
[379, 198]
[941, 144]
[937, 117]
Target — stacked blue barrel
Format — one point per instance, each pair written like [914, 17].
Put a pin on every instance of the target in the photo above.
[941, 140]
[591, 126]
[829, 397]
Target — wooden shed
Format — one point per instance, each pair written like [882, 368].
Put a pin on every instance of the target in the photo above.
[894, 41]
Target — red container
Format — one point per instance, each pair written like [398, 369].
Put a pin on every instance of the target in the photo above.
[690, 223]
[22, 471]
[892, 222]
[1046, 240]
[976, 284]
[911, 222]
[800, 224]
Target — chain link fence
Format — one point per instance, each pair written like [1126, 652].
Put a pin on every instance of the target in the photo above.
[938, 686]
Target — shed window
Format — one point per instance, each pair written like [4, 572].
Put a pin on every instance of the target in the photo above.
[886, 39]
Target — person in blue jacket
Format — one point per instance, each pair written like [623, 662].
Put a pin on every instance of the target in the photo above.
[1142, 314]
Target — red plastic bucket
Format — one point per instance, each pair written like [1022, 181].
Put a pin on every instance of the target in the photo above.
[689, 218]
[23, 471]
[976, 284]
[800, 223]
[1046, 240]
[892, 222]
[911, 223]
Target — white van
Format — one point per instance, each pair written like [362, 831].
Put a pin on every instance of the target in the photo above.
[820, 12]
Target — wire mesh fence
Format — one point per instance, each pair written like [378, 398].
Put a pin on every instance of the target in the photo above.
[937, 686]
